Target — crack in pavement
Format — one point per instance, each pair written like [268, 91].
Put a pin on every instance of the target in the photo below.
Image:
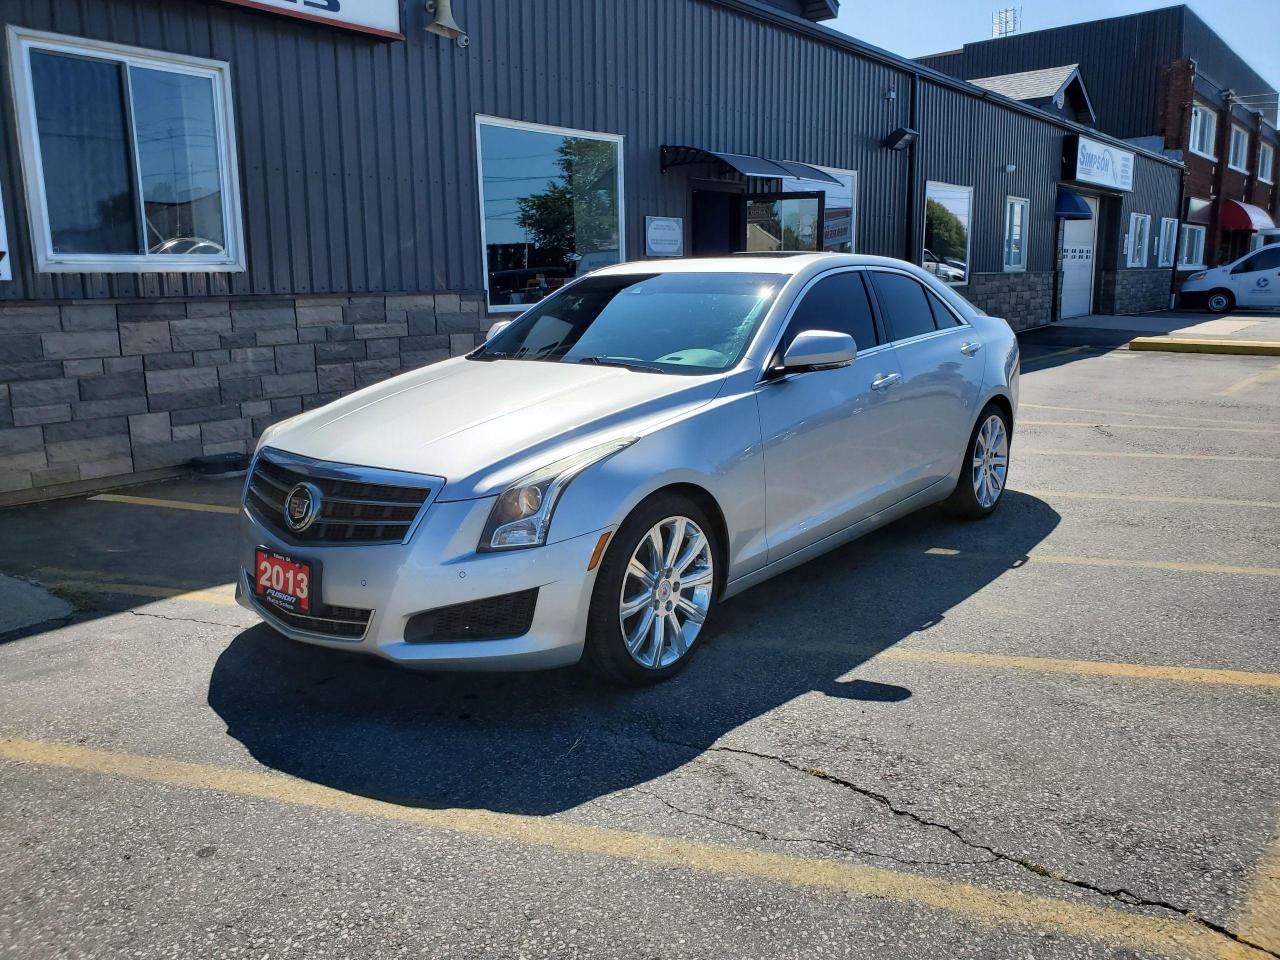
[834, 844]
[162, 616]
[1120, 894]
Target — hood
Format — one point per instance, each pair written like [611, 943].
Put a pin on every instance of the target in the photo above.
[483, 424]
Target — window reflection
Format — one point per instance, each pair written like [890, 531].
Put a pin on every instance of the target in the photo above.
[948, 211]
[551, 210]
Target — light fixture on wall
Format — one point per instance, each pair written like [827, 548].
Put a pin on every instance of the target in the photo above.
[900, 139]
[444, 24]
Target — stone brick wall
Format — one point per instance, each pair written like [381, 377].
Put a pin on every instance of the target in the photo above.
[1024, 299]
[93, 394]
[1134, 291]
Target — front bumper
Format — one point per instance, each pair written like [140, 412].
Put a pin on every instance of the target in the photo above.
[439, 567]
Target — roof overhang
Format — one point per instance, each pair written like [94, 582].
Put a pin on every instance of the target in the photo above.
[743, 163]
[1238, 215]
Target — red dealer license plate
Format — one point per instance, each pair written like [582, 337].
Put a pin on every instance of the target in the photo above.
[285, 582]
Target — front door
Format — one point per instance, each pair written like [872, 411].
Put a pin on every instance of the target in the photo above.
[783, 221]
[831, 446]
[1078, 240]
[1256, 281]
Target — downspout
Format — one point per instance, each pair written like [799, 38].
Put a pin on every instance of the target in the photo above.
[915, 235]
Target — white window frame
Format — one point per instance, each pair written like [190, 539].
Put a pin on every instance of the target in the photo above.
[1200, 115]
[21, 43]
[1185, 247]
[1009, 203]
[1267, 150]
[968, 237]
[487, 120]
[1168, 241]
[1243, 165]
[1142, 222]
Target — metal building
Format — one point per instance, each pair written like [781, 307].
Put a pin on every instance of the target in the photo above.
[219, 212]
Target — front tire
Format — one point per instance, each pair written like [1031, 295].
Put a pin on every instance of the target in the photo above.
[1220, 301]
[986, 467]
[654, 593]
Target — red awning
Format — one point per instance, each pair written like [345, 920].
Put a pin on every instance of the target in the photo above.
[1245, 216]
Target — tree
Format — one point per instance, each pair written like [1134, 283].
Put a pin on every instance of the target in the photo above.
[944, 234]
[577, 213]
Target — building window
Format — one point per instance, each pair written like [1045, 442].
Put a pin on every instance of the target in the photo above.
[1237, 156]
[840, 207]
[1016, 212]
[1168, 238]
[551, 202]
[129, 157]
[1204, 127]
[1137, 239]
[948, 216]
[1191, 246]
[1266, 161]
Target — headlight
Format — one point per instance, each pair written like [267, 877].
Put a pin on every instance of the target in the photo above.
[521, 517]
[1197, 276]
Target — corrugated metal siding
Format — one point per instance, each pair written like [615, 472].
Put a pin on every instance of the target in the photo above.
[1120, 60]
[1155, 192]
[357, 155]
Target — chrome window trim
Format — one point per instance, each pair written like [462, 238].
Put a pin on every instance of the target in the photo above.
[352, 473]
[932, 333]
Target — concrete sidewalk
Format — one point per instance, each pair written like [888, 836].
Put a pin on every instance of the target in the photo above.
[1250, 332]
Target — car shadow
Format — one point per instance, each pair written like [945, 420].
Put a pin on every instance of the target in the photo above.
[539, 743]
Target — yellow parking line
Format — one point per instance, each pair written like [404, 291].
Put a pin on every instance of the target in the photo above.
[167, 504]
[1134, 455]
[1144, 498]
[1141, 426]
[223, 595]
[1132, 930]
[1135, 413]
[1260, 922]
[1096, 668]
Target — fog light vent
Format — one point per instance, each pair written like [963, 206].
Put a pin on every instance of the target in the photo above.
[493, 618]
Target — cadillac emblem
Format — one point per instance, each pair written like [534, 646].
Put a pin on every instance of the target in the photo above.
[301, 507]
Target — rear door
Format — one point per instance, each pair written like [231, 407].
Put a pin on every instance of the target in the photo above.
[1256, 280]
[941, 360]
[831, 446]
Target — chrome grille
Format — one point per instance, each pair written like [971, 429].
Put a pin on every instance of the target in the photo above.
[358, 505]
[340, 623]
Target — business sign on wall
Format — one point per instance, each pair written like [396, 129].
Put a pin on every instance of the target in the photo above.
[1098, 163]
[380, 17]
[664, 236]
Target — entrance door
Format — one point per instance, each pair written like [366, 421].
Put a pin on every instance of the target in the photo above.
[717, 216]
[1078, 240]
[783, 221]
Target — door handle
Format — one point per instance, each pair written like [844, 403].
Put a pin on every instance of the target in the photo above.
[970, 347]
[885, 380]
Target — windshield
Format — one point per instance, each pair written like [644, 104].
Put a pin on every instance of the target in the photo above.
[660, 322]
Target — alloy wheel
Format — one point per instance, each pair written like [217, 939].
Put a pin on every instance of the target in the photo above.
[990, 461]
[666, 592]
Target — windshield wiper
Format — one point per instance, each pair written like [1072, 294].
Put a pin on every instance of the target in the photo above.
[620, 362]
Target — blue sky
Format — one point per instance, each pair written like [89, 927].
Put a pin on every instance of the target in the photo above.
[916, 27]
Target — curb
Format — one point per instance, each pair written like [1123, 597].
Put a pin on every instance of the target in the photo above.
[1253, 348]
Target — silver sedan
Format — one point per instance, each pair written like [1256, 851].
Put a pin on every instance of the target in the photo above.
[648, 441]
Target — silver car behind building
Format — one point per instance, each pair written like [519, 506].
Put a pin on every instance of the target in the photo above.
[646, 442]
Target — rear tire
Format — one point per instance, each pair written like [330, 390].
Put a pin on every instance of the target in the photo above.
[657, 587]
[985, 469]
[1220, 301]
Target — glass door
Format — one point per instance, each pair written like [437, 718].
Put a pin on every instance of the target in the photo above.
[782, 221]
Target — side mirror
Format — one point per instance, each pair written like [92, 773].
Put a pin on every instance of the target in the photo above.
[819, 350]
[497, 328]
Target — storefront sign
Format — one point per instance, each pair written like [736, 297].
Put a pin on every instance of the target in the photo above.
[664, 236]
[1091, 161]
[380, 17]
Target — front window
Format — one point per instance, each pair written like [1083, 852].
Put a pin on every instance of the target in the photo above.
[687, 323]
[1204, 125]
[840, 207]
[1015, 233]
[1191, 246]
[948, 217]
[1137, 239]
[128, 155]
[551, 203]
[1237, 159]
[1168, 237]
[1266, 160]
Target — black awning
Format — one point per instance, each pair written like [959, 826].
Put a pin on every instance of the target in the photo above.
[745, 164]
[1071, 206]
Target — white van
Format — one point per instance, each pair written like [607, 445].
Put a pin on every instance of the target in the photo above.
[1251, 281]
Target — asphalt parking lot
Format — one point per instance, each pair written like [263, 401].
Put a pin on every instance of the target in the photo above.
[1052, 734]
